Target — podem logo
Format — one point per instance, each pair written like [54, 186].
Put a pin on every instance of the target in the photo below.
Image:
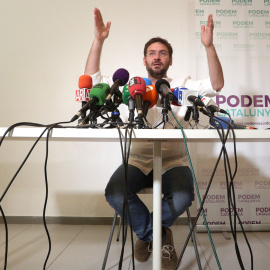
[267, 2]
[236, 185]
[262, 211]
[227, 35]
[242, 2]
[249, 198]
[243, 24]
[251, 222]
[217, 24]
[215, 199]
[262, 184]
[226, 12]
[199, 12]
[258, 13]
[210, 2]
[227, 211]
[259, 35]
[243, 47]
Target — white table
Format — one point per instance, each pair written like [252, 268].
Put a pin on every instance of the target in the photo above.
[157, 136]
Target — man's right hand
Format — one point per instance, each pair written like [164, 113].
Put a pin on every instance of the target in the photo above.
[101, 31]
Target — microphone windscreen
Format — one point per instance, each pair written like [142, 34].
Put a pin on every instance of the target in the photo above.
[147, 81]
[159, 83]
[151, 95]
[100, 91]
[85, 81]
[125, 94]
[136, 86]
[121, 74]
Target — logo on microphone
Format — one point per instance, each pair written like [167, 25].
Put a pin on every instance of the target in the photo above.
[82, 94]
[135, 80]
[149, 88]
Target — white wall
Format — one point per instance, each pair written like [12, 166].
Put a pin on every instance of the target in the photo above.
[44, 46]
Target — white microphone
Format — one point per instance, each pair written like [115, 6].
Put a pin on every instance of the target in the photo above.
[181, 94]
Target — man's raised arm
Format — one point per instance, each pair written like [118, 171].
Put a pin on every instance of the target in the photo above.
[101, 33]
[215, 69]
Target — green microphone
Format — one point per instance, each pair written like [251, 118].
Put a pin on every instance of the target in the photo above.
[97, 96]
[129, 101]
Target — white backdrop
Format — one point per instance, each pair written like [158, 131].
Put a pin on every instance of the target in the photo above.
[242, 39]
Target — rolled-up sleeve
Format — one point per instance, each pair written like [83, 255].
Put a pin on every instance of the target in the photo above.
[98, 78]
[204, 87]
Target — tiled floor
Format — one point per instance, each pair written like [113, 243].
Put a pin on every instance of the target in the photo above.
[81, 247]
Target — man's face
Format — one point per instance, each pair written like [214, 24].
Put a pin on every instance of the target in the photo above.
[157, 60]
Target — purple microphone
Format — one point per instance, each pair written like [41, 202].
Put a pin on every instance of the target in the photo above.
[120, 78]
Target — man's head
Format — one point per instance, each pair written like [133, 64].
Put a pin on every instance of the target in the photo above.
[157, 57]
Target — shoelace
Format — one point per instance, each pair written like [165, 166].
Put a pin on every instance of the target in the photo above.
[166, 252]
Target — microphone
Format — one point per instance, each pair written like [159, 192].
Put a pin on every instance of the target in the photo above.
[129, 101]
[234, 126]
[214, 109]
[97, 96]
[211, 105]
[147, 81]
[85, 85]
[196, 101]
[120, 78]
[82, 94]
[180, 96]
[149, 99]
[163, 88]
[137, 89]
[224, 122]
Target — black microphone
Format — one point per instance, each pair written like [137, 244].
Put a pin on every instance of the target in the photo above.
[163, 88]
[188, 114]
[195, 100]
[213, 109]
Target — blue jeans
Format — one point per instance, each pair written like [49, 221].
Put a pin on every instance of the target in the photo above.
[177, 187]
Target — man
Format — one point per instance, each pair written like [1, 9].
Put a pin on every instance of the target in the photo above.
[177, 181]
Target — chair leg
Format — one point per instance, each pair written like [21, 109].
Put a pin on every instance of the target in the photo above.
[109, 242]
[194, 241]
[119, 229]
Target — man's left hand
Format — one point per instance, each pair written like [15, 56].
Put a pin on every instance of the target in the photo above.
[207, 32]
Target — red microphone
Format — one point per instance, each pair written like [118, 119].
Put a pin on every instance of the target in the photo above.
[150, 98]
[137, 89]
[85, 85]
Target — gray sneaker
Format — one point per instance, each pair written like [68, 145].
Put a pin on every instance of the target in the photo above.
[168, 254]
[142, 250]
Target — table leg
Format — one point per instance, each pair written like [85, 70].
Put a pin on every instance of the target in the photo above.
[157, 211]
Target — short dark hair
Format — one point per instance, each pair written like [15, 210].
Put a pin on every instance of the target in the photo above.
[161, 40]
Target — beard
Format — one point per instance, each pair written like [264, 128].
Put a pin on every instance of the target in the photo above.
[158, 74]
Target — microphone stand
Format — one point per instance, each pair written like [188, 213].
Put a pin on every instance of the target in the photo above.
[195, 118]
[165, 117]
[115, 118]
